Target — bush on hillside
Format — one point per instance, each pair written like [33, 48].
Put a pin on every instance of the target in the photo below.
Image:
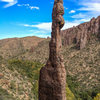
[97, 97]
[29, 69]
[69, 94]
[81, 93]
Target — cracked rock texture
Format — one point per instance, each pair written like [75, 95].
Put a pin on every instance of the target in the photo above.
[81, 34]
[52, 80]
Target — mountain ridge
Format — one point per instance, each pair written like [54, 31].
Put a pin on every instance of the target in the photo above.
[81, 34]
[82, 64]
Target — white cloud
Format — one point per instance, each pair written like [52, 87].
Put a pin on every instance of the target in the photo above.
[80, 15]
[69, 24]
[7, 0]
[28, 6]
[44, 29]
[19, 5]
[87, 10]
[72, 11]
[10, 3]
[32, 7]
[90, 7]
[84, 20]
[41, 26]
[39, 33]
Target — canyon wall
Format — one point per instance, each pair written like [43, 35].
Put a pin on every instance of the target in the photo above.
[81, 34]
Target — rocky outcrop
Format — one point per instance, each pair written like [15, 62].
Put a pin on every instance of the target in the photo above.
[52, 80]
[81, 34]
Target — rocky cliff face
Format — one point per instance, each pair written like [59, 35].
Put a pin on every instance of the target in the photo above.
[52, 81]
[81, 34]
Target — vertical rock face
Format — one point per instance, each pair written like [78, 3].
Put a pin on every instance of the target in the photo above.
[52, 80]
[81, 34]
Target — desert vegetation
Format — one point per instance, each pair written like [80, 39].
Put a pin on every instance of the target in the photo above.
[82, 66]
[27, 73]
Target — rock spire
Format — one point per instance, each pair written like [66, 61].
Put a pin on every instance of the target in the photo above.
[52, 80]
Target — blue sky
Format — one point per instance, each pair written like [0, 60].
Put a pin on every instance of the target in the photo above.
[20, 18]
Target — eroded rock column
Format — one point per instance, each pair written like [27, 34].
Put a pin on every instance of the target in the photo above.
[52, 80]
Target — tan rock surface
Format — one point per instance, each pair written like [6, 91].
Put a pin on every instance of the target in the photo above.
[81, 34]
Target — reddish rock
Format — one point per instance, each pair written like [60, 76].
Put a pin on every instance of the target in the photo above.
[81, 34]
[1, 75]
[52, 80]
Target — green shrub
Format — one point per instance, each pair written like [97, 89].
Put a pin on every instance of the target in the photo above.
[12, 85]
[69, 94]
[32, 69]
[29, 69]
[97, 97]
[79, 92]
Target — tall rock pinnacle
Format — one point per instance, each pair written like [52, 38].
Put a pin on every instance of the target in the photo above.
[52, 80]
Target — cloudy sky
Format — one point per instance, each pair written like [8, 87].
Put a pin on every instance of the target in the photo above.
[20, 18]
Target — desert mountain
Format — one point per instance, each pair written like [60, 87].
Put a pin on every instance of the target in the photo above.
[81, 34]
[81, 51]
[16, 46]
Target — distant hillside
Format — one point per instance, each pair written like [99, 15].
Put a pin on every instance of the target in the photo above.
[82, 65]
[13, 47]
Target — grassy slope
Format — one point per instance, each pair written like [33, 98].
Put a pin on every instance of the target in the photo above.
[19, 80]
[82, 66]
[4, 95]
[14, 84]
